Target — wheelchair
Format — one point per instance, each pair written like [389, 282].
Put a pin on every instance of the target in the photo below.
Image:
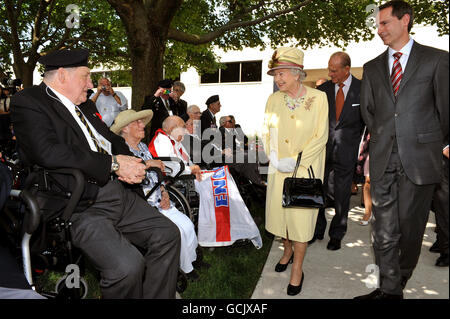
[43, 240]
[51, 247]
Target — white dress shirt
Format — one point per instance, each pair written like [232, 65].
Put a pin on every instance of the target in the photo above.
[71, 108]
[405, 51]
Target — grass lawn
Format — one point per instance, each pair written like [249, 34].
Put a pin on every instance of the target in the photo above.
[234, 271]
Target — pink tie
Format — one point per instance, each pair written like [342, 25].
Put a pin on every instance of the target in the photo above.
[396, 75]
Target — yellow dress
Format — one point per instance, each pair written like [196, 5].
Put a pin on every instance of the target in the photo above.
[289, 132]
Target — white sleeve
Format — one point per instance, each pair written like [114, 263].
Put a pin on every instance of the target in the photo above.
[164, 148]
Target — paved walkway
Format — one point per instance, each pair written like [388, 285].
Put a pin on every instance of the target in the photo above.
[342, 274]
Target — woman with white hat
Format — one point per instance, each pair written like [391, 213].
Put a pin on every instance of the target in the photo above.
[296, 120]
[130, 125]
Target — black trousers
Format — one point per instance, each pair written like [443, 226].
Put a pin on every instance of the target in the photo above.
[110, 231]
[400, 210]
[441, 208]
[337, 181]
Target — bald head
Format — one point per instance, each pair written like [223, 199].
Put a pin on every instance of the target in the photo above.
[175, 127]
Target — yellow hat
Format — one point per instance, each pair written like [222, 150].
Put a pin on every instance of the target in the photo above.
[286, 58]
[126, 117]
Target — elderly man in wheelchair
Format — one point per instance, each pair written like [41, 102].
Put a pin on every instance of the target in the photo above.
[223, 217]
[57, 127]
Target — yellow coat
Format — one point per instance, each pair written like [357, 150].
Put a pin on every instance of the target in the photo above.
[304, 129]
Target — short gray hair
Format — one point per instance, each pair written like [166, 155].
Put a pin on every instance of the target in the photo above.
[190, 107]
[223, 120]
[299, 72]
[180, 85]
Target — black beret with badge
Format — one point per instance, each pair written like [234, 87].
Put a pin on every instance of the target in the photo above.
[165, 84]
[212, 99]
[65, 59]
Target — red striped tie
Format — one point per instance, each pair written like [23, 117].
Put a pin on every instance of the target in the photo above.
[396, 75]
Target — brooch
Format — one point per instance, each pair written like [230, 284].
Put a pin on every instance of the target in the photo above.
[309, 102]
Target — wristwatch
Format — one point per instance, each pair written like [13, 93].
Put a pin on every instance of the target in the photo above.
[114, 165]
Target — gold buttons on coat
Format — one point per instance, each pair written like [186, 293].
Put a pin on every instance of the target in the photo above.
[287, 141]
[292, 117]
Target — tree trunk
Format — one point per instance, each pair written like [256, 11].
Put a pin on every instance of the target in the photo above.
[147, 66]
[24, 71]
[147, 23]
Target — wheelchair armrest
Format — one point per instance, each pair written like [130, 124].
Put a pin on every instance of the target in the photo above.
[173, 159]
[78, 190]
[33, 218]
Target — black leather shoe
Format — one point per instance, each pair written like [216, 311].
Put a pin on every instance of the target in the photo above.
[320, 237]
[295, 290]
[200, 264]
[192, 276]
[378, 294]
[442, 261]
[435, 247]
[282, 267]
[334, 244]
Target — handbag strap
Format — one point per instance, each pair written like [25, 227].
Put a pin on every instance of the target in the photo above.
[310, 169]
[299, 157]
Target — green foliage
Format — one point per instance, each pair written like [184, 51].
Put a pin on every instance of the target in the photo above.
[434, 12]
[40, 26]
[319, 22]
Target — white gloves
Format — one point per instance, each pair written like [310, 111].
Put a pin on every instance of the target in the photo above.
[284, 165]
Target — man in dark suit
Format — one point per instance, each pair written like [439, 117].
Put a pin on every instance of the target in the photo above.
[162, 105]
[178, 90]
[404, 102]
[345, 129]
[208, 117]
[110, 221]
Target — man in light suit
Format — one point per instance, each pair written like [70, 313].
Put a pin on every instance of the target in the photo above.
[345, 129]
[404, 102]
[110, 221]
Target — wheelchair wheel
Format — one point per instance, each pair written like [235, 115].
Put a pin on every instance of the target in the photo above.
[180, 202]
[64, 292]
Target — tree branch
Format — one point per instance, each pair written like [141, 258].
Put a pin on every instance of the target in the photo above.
[184, 37]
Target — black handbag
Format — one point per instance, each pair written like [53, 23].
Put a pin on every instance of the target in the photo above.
[303, 192]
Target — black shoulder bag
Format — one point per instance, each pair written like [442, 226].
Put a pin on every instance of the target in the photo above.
[303, 192]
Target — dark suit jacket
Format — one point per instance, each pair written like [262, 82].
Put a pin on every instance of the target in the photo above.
[160, 112]
[48, 136]
[344, 136]
[181, 106]
[207, 120]
[417, 119]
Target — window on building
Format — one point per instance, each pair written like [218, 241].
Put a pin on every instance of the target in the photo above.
[235, 72]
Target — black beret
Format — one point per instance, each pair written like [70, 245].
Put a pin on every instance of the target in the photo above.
[165, 84]
[212, 99]
[65, 59]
